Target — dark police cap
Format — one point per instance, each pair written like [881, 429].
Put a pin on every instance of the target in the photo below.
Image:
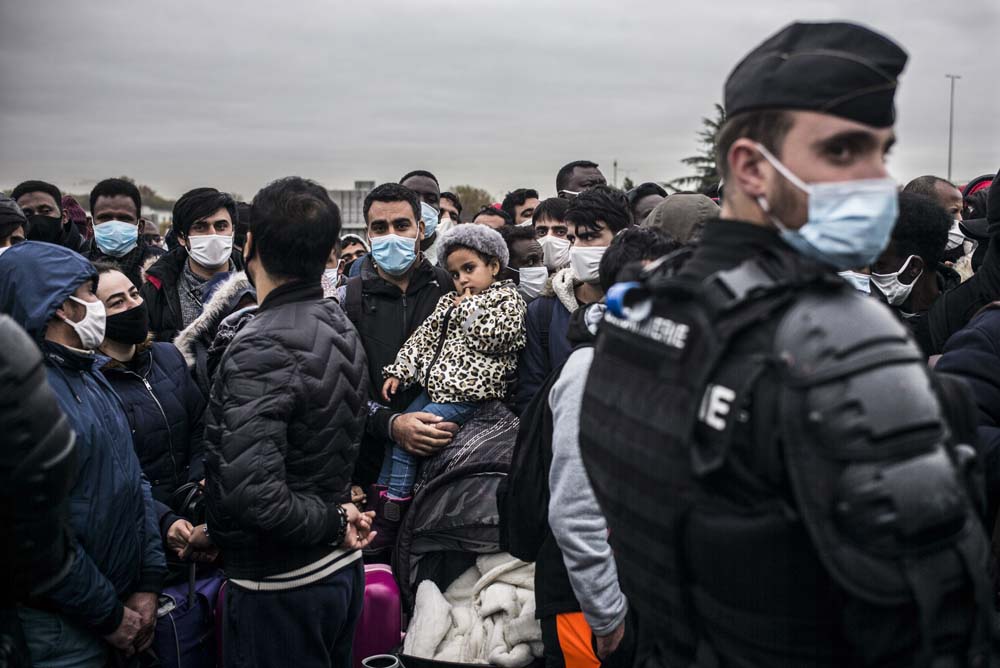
[841, 69]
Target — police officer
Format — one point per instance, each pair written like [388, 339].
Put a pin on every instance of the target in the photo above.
[781, 484]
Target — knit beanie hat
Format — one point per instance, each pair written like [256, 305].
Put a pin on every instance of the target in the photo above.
[480, 238]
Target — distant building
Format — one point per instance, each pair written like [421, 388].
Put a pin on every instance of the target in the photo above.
[158, 216]
[352, 206]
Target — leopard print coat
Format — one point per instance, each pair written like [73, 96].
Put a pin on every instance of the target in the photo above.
[465, 353]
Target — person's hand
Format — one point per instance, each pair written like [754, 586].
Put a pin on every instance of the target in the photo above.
[459, 298]
[422, 434]
[389, 388]
[358, 496]
[200, 546]
[178, 536]
[606, 645]
[123, 638]
[359, 528]
[145, 604]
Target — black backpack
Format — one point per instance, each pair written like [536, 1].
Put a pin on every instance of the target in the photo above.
[523, 498]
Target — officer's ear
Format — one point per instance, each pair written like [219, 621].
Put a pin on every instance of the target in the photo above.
[747, 170]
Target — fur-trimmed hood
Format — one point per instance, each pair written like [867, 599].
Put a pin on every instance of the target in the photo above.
[563, 284]
[223, 302]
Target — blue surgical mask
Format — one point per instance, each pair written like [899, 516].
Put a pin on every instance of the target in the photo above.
[394, 254]
[849, 222]
[116, 238]
[430, 217]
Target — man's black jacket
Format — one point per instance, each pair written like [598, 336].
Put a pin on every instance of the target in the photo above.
[284, 420]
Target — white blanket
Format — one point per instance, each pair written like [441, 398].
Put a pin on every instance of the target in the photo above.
[486, 616]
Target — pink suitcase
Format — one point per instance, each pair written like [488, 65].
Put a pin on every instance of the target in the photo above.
[380, 628]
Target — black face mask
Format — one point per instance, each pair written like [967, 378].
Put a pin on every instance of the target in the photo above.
[131, 326]
[45, 228]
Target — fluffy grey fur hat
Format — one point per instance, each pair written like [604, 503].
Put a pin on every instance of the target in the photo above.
[484, 239]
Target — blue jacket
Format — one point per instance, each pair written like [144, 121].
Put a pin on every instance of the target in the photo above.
[117, 549]
[165, 418]
[973, 353]
[547, 323]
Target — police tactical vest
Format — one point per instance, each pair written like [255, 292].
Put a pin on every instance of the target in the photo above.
[727, 565]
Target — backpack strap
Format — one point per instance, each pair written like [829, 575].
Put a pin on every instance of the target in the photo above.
[352, 300]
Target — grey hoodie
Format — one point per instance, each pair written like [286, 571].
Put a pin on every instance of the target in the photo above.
[574, 516]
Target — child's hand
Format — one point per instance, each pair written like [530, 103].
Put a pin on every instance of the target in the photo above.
[389, 388]
[462, 296]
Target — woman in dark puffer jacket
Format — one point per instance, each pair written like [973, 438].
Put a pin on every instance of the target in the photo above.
[163, 404]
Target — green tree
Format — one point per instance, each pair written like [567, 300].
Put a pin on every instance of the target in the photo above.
[472, 199]
[627, 184]
[706, 172]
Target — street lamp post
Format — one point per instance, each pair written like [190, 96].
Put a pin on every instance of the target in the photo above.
[951, 119]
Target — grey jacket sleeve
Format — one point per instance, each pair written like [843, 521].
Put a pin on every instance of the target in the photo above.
[576, 520]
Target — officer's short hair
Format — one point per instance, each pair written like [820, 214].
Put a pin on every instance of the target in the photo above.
[768, 127]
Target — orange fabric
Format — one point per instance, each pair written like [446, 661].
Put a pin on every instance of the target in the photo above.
[574, 641]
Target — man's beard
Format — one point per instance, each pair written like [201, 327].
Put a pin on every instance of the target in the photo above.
[789, 204]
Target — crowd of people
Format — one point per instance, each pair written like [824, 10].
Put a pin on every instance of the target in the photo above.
[759, 425]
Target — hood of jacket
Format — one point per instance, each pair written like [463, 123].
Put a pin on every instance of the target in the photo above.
[562, 285]
[223, 302]
[36, 278]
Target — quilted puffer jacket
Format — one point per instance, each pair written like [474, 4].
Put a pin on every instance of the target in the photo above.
[284, 420]
[164, 408]
[466, 352]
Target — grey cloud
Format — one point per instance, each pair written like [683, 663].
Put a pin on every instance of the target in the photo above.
[497, 94]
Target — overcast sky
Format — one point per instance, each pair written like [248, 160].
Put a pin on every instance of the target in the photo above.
[186, 93]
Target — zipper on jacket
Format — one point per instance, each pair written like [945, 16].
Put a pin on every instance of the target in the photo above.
[404, 317]
[440, 344]
[170, 433]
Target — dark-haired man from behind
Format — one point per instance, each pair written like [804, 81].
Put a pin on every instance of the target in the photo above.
[643, 199]
[204, 221]
[577, 177]
[282, 429]
[48, 220]
[773, 525]
[520, 205]
[116, 206]
[395, 291]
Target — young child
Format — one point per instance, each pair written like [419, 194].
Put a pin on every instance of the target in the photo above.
[462, 355]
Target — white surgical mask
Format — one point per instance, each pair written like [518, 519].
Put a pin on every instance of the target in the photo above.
[857, 280]
[331, 273]
[210, 250]
[526, 223]
[955, 236]
[896, 292]
[555, 251]
[91, 328]
[532, 281]
[586, 261]
[849, 222]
